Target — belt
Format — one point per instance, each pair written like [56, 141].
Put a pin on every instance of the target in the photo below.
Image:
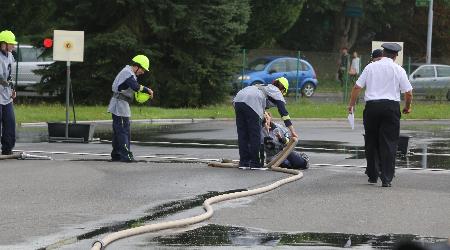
[380, 100]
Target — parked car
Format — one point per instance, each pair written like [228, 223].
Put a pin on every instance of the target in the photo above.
[431, 78]
[266, 69]
[411, 67]
[30, 58]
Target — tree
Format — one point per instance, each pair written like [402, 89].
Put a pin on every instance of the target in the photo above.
[334, 24]
[198, 54]
[191, 45]
[26, 17]
[269, 20]
[410, 25]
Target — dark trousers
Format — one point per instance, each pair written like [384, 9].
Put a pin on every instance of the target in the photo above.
[8, 128]
[248, 125]
[295, 161]
[382, 130]
[121, 139]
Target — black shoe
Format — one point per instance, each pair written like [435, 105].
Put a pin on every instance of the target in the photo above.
[372, 181]
[9, 152]
[115, 159]
[386, 184]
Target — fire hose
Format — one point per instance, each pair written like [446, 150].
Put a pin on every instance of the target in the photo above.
[273, 165]
[25, 156]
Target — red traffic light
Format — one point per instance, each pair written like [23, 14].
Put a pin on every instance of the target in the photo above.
[48, 42]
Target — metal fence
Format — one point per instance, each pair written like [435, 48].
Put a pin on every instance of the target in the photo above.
[326, 66]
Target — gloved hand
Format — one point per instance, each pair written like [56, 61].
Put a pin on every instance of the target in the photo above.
[150, 92]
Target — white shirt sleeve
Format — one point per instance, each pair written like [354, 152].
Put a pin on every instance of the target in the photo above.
[405, 85]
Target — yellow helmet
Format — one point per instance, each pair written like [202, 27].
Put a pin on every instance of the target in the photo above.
[141, 97]
[143, 61]
[8, 37]
[283, 82]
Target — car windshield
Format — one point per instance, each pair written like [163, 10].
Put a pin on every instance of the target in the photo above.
[424, 72]
[258, 64]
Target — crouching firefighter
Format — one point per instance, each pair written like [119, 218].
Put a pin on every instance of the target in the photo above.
[274, 138]
[124, 87]
[249, 105]
[7, 93]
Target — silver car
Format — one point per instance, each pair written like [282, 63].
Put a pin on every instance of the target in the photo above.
[30, 58]
[431, 79]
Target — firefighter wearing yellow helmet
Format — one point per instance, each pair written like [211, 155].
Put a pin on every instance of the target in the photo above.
[249, 105]
[7, 93]
[124, 88]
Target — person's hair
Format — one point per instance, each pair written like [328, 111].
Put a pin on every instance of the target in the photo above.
[135, 64]
[278, 84]
[389, 53]
[377, 53]
[3, 47]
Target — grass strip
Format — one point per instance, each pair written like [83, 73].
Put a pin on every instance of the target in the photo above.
[297, 110]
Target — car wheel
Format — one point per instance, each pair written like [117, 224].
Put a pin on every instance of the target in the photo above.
[308, 89]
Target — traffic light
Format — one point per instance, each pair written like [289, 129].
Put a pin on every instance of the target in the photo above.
[48, 43]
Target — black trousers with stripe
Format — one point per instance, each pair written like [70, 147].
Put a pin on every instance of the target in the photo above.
[382, 130]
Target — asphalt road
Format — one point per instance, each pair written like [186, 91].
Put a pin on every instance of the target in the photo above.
[51, 203]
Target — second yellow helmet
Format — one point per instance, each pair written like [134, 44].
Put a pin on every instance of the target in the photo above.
[283, 82]
[143, 61]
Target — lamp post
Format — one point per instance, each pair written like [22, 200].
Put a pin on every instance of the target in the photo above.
[430, 30]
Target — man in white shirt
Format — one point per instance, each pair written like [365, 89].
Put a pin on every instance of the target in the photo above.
[383, 80]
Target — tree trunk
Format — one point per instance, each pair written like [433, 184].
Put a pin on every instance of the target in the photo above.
[346, 31]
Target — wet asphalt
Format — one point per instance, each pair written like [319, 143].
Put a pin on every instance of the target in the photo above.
[73, 199]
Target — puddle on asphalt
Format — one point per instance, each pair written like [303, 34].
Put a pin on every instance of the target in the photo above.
[436, 152]
[218, 236]
[157, 212]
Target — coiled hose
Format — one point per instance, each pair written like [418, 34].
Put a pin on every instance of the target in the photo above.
[273, 165]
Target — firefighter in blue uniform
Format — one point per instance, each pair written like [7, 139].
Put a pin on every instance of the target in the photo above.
[249, 104]
[7, 93]
[124, 87]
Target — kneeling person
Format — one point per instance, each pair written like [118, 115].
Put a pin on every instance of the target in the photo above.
[275, 138]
